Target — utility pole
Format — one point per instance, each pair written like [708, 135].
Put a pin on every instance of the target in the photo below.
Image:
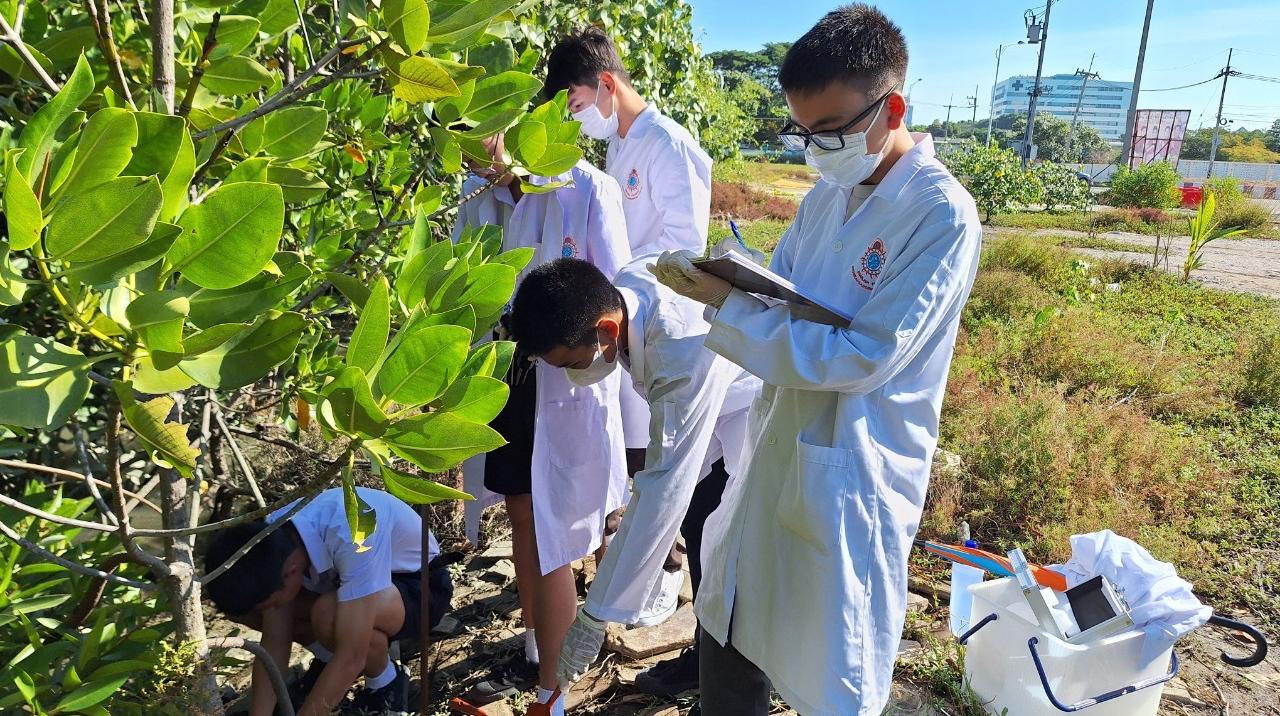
[1029, 137]
[1126, 147]
[1084, 76]
[1217, 126]
[991, 112]
[973, 102]
[946, 126]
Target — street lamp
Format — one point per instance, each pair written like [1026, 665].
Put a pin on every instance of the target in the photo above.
[991, 113]
[909, 88]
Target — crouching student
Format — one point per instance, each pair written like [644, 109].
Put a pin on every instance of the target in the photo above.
[563, 469]
[805, 573]
[307, 582]
[570, 316]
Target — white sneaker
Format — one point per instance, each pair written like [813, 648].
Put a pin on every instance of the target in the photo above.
[664, 600]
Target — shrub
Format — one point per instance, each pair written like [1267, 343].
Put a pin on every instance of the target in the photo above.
[731, 170]
[995, 177]
[1226, 190]
[1151, 185]
[1002, 294]
[1260, 375]
[1046, 264]
[1246, 214]
[1062, 187]
[1151, 215]
[739, 201]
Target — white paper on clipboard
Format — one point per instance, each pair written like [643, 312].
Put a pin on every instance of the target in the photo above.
[745, 274]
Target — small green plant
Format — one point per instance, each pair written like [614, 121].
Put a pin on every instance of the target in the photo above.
[1062, 188]
[995, 177]
[1226, 190]
[1204, 229]
[1261, 373]
[1151, 185]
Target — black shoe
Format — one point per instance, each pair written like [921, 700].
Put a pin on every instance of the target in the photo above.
[670, 677]
[512, 677]
[301, 687]
[390, 700]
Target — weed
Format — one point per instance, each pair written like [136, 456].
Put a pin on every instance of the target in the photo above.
[1260, 374]
[939, 667]
[763, 234]
[740, 201]
[1249, 215]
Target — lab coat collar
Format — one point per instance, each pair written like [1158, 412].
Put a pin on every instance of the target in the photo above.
[907, 166]
[635, 333]
[646, 119]
[503, 195]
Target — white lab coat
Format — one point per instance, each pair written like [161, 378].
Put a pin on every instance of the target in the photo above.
[700, 402]
[808, 550]
[579, 461]
[666, 184]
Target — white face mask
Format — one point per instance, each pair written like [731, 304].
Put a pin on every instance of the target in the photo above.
[848, 166]
[599, 369]
[596, 125]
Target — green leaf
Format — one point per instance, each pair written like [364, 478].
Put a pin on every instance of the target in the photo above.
[479, 398]
[489, 288]
[438, 441]
[507, 90]
[296, 184]
[408, 22]
[12, 286]
[212, 337]
[159, 139]
[21, 207]
[250, 356]
[244, 302]
[105, 149]
[419, 79]
[235, 75]
[558, 159]
[424, 364]
[370, 335]
[278, 16]
[349, 406]
[498, 56]
[147, 378]
[166, 442]
[92, 693]
[12, 64]
[159, 317]
[467, 19]
[105, 220]
[412, 284]
[64, 47]
[293, 131]
[353, 288]
[38, 136]
[416, 490]
[493, 123]
[178, 179]
[527, 141]
[235, 33]
[361, 518]
[515, 258]
[109, 269]
[230, 236]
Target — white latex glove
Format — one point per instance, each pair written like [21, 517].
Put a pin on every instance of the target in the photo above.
[581, 647]
[676, 271]
[731, 244]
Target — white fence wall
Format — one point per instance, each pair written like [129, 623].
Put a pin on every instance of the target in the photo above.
[1261, 181]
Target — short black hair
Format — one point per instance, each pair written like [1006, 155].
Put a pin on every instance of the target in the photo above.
[253, 577]
[558, 304]
[855, 44]
[579, 58]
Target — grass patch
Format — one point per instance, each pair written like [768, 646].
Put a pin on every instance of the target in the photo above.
[1135, 221]
[763, 235]
[741, 201]
[1153, 411]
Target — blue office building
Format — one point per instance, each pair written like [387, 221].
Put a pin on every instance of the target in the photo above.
[1104, 107]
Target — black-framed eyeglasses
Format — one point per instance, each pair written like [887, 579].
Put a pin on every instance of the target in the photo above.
[794, 138]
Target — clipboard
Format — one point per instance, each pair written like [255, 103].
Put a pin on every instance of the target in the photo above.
[745, 274]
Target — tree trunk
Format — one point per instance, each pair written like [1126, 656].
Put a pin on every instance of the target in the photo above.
[162, 54]
[183, 592]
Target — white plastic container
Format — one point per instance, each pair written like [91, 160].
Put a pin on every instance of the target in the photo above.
[1001, 671]
[963, 577]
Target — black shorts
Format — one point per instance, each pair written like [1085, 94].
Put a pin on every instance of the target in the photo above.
[507, 470]
[410, 586]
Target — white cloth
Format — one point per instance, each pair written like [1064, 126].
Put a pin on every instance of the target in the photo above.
[395, 545]
[579, 460]
[699, 403]
[666, 181]
[665, 178]
[1160, 602]
[808, 550]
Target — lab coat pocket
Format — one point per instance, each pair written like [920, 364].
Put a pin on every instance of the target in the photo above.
[812, 504]
[576, 431]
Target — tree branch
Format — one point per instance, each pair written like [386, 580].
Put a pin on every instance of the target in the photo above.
[68, 475]
[283, 704]
[50, 517]
[218, 149]
[107, 43]
[162, 51]
[253, 542]
[73, 566]
[197, 73]
[158, 567]
[107, 515]
[306, 38]
[245, 468]
[11, 36]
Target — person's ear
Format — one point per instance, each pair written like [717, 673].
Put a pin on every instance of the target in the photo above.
[896, 107]
[609, 81]
[610, 328]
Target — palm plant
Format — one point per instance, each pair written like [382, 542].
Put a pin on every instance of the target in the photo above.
[1204, 229]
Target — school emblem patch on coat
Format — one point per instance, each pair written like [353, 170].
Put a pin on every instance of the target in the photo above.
[570, 248]
[632, 188]
[869, 266]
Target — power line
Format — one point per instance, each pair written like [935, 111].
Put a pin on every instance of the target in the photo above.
[1260, 78]
[1193, 84]
[1200, 61]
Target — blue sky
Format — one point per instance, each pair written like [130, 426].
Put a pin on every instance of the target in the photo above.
[952, 46]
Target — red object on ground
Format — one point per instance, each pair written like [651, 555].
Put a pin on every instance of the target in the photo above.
[1191, 196]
